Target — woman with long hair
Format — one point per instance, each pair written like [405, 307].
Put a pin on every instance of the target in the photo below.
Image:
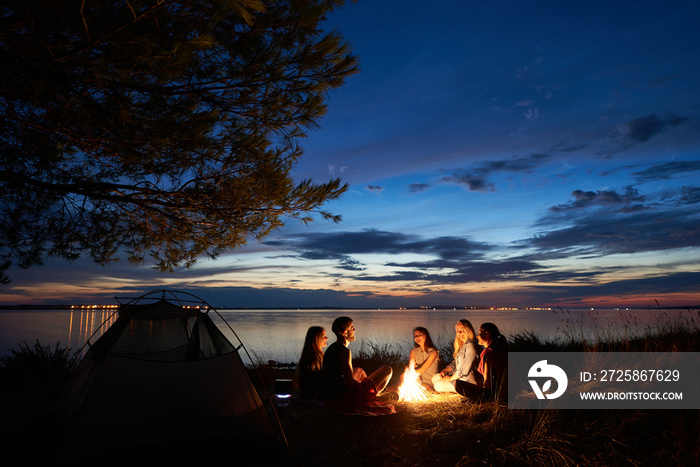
[493, 367]
[423, 357]
[464, 360]
[311, 362]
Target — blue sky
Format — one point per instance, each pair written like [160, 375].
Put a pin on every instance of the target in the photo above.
[498, 153]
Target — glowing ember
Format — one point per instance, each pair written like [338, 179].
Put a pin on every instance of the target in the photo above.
[411, 390]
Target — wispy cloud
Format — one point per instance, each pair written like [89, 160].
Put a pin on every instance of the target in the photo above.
[418, 187]
[477, 178]
[472, 181]
[611, 233]
[628, 201]
[642, 129]
[668, 170]
[532, 114]
[337, 245]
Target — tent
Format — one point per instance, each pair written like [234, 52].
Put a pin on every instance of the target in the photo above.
[162, 377]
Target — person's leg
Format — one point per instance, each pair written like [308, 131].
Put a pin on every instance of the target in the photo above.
[358, 374]
[441, 385]
[471, 391]
[381, 377]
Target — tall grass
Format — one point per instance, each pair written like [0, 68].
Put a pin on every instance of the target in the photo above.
[37, 369]
[670, 331]
[612, 437]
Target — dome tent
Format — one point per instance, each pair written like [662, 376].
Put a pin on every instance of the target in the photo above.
[161, 376]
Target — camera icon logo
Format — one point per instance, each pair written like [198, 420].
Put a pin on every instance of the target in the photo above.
[542, 369]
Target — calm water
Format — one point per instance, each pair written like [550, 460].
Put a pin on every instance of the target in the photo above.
[279, 334]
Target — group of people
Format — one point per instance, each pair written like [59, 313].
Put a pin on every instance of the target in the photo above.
[330, 376]
[478, 369]
[479, 366]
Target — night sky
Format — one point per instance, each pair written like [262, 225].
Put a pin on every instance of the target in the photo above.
[498, 153]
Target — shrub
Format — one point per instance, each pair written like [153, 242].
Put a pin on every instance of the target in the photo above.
[37, 368]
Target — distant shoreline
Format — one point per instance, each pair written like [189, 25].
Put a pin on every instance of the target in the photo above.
[427, 308]
[29, 307]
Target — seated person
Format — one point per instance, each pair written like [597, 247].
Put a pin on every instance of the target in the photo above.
[311, 362]
[493, 367]
[464, 360]
[423, 357]
[339, 381]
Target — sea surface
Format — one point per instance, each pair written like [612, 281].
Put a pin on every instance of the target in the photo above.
[279, 334]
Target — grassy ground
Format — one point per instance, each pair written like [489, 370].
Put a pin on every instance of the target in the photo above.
[443, 430]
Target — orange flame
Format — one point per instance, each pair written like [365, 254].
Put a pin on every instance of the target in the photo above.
[411, 390]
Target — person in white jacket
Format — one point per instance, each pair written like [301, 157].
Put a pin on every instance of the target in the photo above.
[465, 360]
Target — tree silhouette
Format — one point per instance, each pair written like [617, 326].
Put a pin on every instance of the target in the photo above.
[158, 128]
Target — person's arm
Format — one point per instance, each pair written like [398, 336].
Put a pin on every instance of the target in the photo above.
[470, 357]
[428, 361]
[454, 376]
[456, 365]
[487, 371]
[346, 365]
[448, 370]
[464, 361]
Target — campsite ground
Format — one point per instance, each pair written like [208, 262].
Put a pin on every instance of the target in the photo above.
[439, 431]
[444, 430]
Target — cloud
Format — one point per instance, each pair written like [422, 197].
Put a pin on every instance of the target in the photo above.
[476, 179]
[527, 70]
[463, 271]
[532, 114]
[663, 80]
[608, 233]
[473, 182]
[672, 283]
[516, 164]
[454, 259]
[642, 129]
[335, 245]
[510, 269]
[418, 187]
[375, 189]
[689, 195]
[350, 264]
[668, 170]
[332, 169]
[628, 201]
[680, 282]
[340, 246]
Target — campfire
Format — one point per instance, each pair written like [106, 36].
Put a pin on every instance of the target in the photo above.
[411, 390]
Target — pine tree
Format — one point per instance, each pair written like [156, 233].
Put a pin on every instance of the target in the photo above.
[159, 128]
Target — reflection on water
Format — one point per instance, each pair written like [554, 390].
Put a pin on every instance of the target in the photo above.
[68, 328]
[84, 325]
[278, 334]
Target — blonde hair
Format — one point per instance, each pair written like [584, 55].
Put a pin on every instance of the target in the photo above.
[471, 335]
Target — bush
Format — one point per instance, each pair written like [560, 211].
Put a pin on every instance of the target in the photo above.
[38, 368]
